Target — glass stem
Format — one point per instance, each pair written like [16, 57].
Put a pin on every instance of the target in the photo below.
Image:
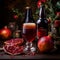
[29, 44]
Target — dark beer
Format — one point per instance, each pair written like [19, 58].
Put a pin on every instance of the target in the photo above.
[29, 31]
[42, 23]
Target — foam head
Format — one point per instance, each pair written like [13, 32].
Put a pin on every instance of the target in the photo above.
[29, 25]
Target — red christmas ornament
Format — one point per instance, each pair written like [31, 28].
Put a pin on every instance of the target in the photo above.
[5, 32]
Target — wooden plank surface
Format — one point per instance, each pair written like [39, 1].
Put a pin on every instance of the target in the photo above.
[3, 55]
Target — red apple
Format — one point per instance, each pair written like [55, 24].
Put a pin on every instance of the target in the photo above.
[45, 44]
[5, 32]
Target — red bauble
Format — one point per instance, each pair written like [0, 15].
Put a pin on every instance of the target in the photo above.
[45, 44]
[5, 32]
[15, 16]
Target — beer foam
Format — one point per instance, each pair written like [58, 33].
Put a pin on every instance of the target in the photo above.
[29, 25]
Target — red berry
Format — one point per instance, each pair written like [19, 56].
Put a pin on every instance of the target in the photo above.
[58, 13]
[57, 23]
[39, 4]
[15, 16]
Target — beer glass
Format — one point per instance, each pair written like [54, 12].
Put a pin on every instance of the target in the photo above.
[29, 34]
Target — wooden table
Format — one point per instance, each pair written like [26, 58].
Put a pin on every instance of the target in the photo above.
[55, 55]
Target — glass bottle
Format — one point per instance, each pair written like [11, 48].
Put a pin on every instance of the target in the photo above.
[29, 31]
[28, 16]
[42, 23]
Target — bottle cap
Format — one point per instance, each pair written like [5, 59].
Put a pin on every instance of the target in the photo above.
[27, 7]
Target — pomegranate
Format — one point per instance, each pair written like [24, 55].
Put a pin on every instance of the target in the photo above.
[5, 32]
[13, 50]
[45, 44]
[13, 46]
[16, 41]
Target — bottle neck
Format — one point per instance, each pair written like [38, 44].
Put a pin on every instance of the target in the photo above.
[28, 16]
[42, 12]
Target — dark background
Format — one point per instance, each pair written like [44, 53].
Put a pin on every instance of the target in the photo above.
[7, 5]
[5, 9]
[1, 13]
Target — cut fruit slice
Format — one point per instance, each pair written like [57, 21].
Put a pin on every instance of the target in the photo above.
[13, 50]
[16, 41]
